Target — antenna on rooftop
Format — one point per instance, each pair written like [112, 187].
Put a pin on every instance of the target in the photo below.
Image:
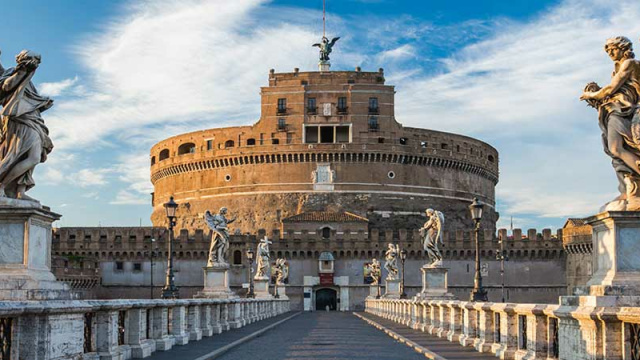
[324, 18]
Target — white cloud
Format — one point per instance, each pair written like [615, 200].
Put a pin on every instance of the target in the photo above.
[57, 88]
[402, 52]
[90, 177]
[125, 197]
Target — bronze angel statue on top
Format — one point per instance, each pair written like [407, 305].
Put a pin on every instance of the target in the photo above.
[24, 138]
[326, 47]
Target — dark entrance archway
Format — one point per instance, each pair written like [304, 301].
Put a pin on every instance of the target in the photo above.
[326, 297]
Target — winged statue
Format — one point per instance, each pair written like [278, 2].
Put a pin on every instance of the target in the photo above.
[326, 47]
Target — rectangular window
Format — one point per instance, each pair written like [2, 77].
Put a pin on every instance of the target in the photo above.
[311, 134]
[311, 105]
[209, 144]
[137, 267]
[326, 134]
[282, 124]
[87, 238]
[118, 238]
[342, 134]
[282, 105]
[132, 238]
[373, 123]
[72, 238]
[119, 265]
[373, 105]
[342, 104]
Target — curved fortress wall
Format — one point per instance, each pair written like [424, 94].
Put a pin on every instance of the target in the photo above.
[325, 141]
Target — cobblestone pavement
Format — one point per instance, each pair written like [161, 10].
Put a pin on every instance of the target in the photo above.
[323, 335]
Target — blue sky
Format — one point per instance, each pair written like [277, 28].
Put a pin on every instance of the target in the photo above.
[126, 74]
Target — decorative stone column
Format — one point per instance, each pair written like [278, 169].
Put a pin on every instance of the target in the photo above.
[216, 283]
[25, 252]
[434, 284]
[140, 346]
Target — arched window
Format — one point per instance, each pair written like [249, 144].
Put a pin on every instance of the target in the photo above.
[491, 159]
[188, 148]
[237, 257]
[153, 160]
[229, 144]
[251, 142]
[164, 154]
[326, 233]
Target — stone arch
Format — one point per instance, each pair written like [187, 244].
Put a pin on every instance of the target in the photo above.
[164, 154]
[153, 160]
[187, 148]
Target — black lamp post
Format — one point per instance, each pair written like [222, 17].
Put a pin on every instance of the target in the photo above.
[403, 257]
[170, 290]
[478, 293]
[249, 254]
[152, 254]
[502, 256]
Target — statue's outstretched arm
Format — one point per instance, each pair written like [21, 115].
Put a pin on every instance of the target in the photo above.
[617, 81]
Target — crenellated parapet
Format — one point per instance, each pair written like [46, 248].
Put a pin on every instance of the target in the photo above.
[345, 242]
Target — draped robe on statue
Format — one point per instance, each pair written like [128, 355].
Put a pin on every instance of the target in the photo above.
[22, 128]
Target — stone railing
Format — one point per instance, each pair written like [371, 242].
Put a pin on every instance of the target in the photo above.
[120, 329]
[522, 331]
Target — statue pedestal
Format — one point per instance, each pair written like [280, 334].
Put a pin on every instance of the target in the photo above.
[434, 284]
[281, 290]
[616, 265]
[374, 292]
[392, 289]
[216, 283]
[261, 288]
[25, 252]
[324, 66]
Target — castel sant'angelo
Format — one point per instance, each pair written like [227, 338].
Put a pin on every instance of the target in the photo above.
[326, 141]
[331, 177]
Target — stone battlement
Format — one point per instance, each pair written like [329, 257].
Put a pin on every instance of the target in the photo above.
[136, 242]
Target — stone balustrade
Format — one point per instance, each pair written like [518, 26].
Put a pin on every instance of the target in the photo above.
[120, 329]
[522, 331]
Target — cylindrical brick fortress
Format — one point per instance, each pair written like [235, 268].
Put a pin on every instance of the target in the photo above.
[326, 141]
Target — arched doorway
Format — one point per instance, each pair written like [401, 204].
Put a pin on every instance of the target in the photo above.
[326, 297]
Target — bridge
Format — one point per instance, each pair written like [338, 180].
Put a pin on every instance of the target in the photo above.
[202, 329]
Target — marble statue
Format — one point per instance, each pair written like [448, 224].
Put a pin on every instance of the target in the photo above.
[262, 255]
[391, 261]
[374, 271]
[326, 47]
[281, 270]
[24, 138]
[432, 234]
[617, 105]
[218, 251]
